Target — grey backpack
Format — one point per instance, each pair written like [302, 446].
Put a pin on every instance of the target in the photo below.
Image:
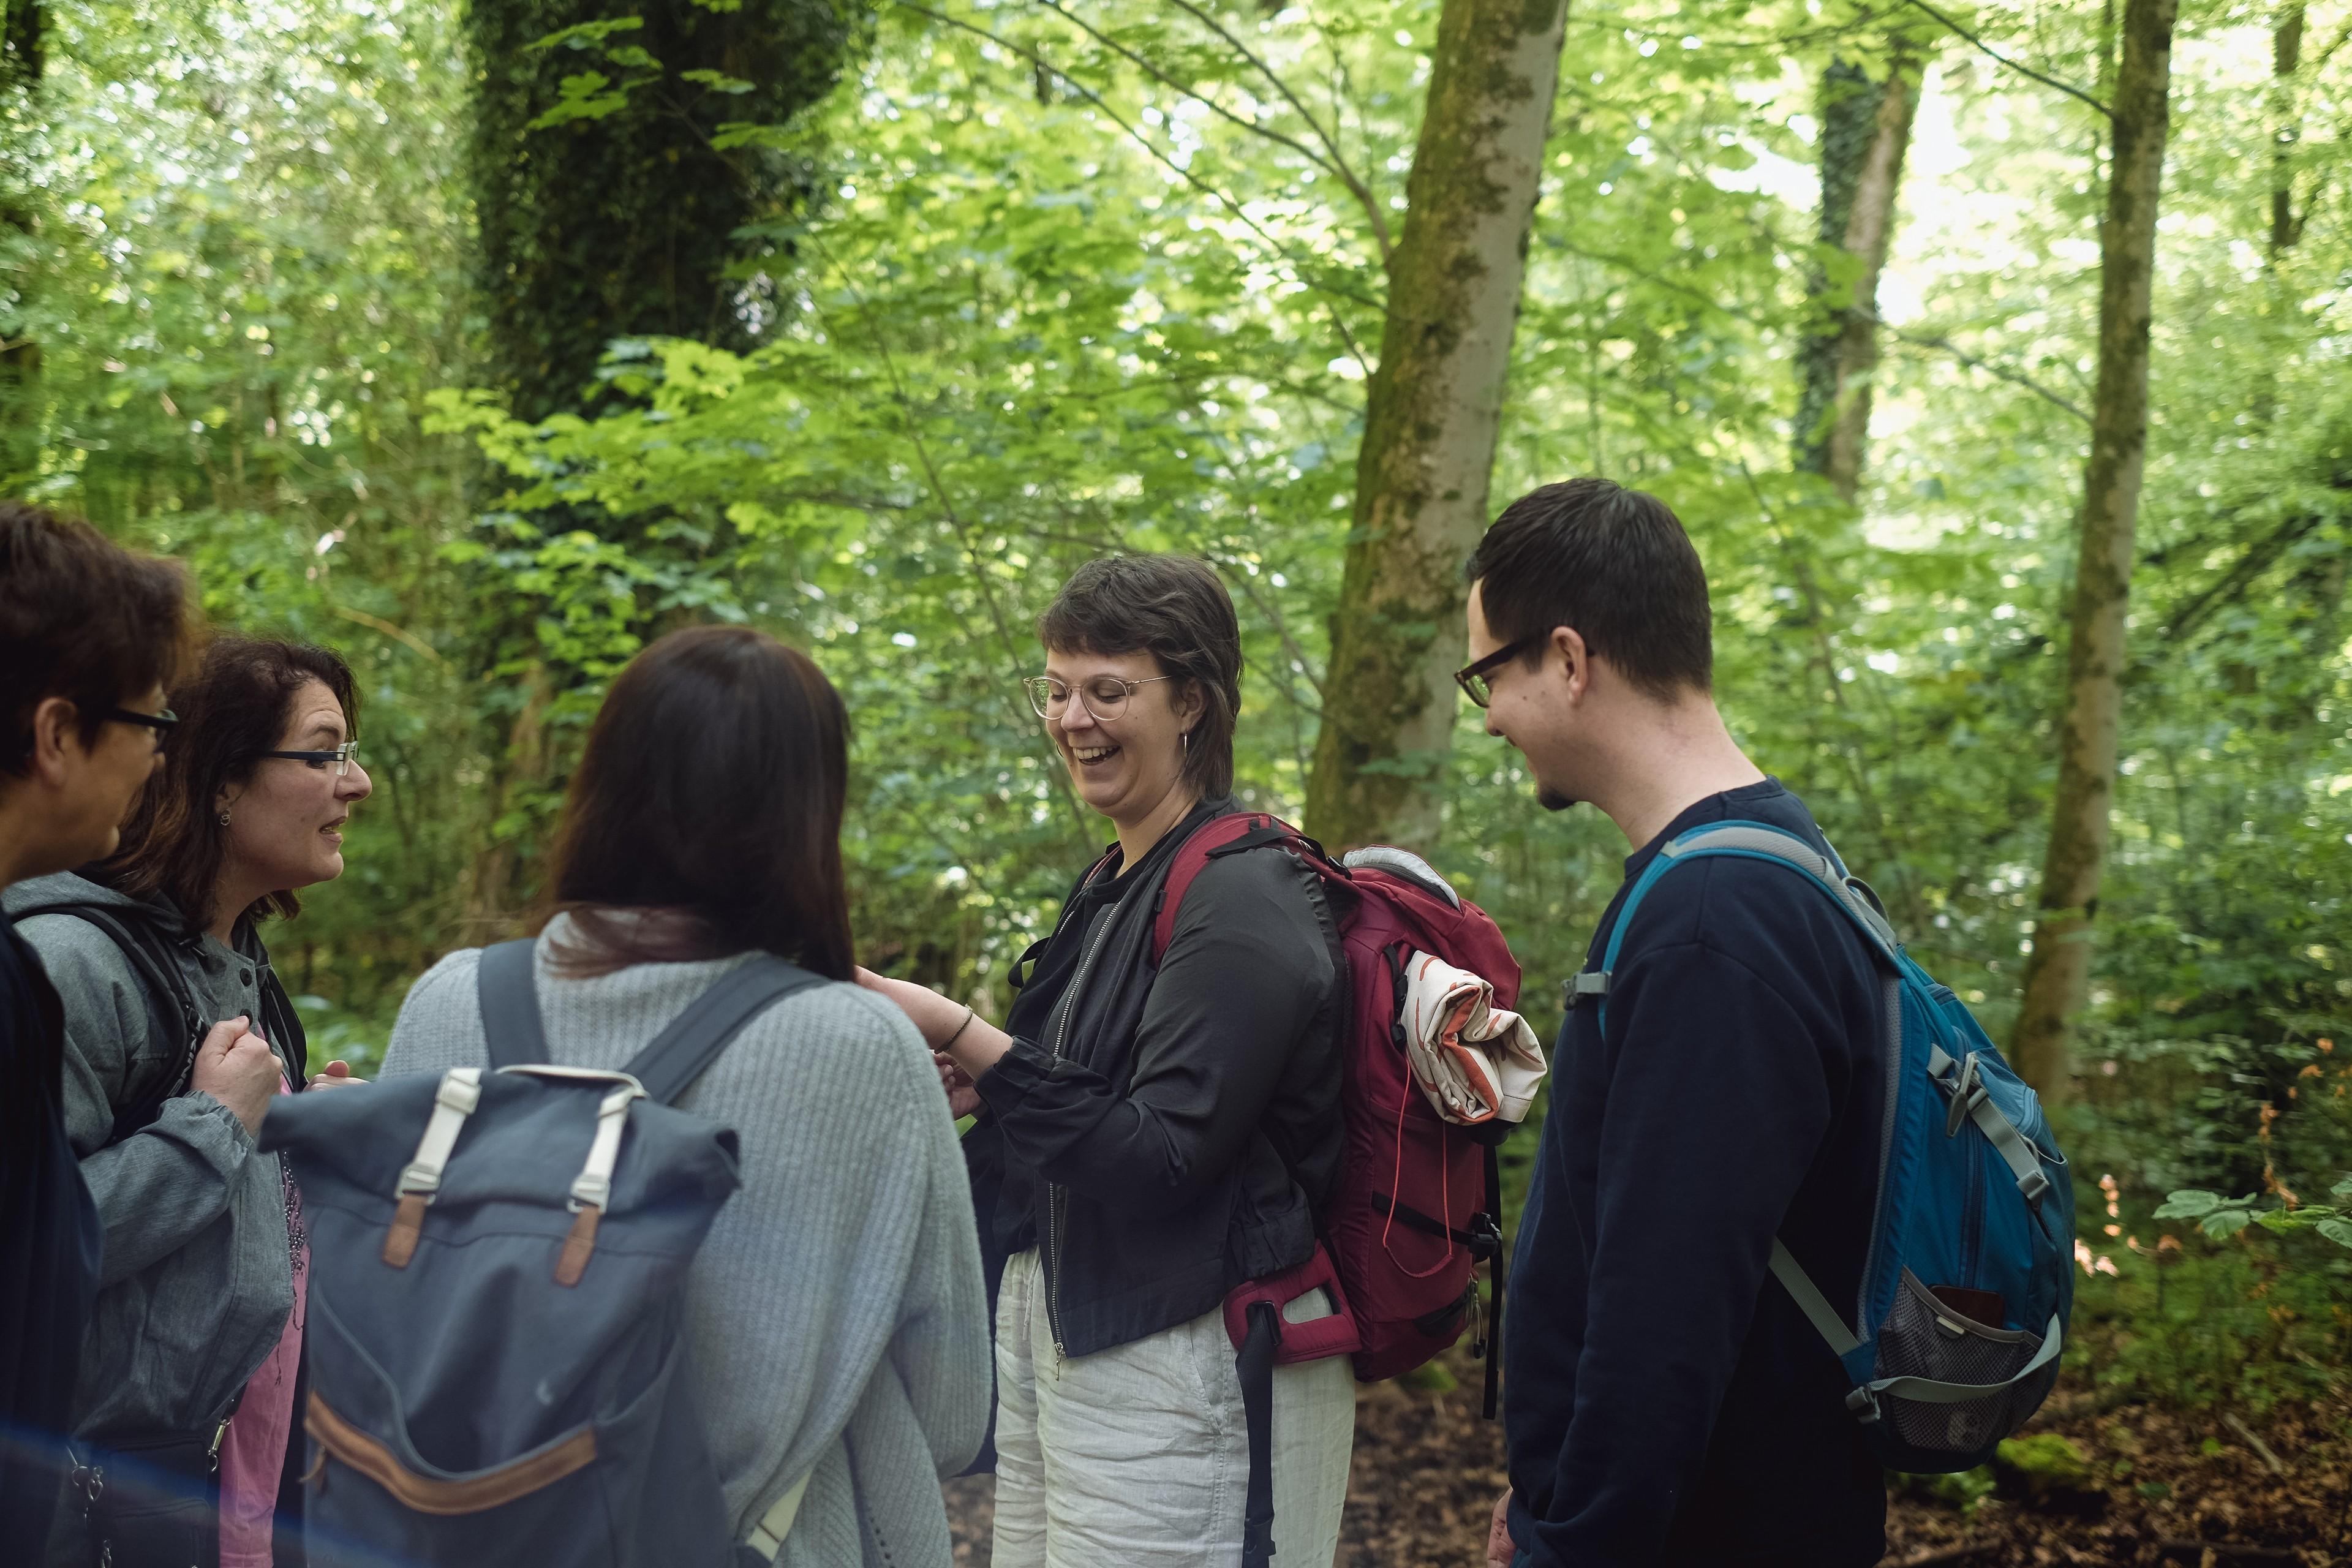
[499, 1261]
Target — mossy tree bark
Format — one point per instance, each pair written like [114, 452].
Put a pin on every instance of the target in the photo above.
[1866, 130]
[629, 224]
[2057, 976]
[1430, 423]
[22, 33]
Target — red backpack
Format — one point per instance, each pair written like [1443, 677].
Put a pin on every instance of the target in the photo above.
[1418, 1203]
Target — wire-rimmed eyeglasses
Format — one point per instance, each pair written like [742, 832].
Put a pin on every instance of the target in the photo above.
[1104, 696]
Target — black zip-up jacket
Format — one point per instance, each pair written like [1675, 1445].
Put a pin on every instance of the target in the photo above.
[1163, 1135]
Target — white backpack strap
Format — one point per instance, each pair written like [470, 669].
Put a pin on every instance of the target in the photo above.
[767, 1536]
[460, 1091]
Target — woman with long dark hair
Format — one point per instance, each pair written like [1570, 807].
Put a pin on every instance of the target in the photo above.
[1155, 1130]
[177, 1035]
[835, 1313]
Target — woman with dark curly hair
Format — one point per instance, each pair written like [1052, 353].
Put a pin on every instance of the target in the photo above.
[177, 1035]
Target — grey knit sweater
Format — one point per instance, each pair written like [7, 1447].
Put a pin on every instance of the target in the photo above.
[836, 1315]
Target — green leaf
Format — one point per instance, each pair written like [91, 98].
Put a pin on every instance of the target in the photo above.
[2189, 1204]
[586, 35]
[2343, 1189]
[718, 81]
[2222, 1224]
[2337, 1229]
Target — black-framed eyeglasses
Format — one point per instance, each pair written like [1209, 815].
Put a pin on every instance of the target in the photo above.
[162, 723]
[1105, 696]
[1473, 677]
[341, 756]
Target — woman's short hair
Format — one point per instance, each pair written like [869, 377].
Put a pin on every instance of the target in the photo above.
[1175, 608]
[235, 707]
[81, 618]
[708, 805]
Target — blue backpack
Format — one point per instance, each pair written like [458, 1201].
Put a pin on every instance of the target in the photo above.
[497, 1301]
[1968, 1279]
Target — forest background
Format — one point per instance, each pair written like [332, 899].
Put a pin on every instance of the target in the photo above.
[487, 341]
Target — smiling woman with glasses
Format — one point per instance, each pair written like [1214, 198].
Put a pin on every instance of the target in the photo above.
[191, 1352]
[1153, 1133]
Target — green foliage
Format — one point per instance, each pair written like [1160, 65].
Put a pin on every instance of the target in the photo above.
[1075, 279]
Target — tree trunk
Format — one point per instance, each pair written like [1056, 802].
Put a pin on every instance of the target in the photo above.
[1866, 130]
[617, 226]
[1430, 422]
[23, 29]
[2287, 55]
[2058, 974]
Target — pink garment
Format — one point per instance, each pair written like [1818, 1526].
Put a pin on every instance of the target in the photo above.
[253, 1453]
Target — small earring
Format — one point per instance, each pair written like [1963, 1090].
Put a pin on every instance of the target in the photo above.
[224, 819]
[1188, 740]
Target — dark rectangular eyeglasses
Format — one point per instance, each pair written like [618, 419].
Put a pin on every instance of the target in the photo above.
[1473, 677]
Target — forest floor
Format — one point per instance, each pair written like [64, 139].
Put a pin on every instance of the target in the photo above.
[2160, 1487]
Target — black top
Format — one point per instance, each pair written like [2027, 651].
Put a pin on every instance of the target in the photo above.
[1189, 1116]
[49, 1240]
[1664, 1399]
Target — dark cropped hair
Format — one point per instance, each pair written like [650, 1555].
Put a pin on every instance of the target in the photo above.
[81, 618]
[1175, 608]
[236, 706]
[705, 816]
[1615, 565]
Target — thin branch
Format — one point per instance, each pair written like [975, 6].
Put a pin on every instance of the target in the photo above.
[2014, 377]
[401, 634]
[2021, 68]
[2259, 558]
[1190, 178]
[1917, 340]
[1197, 95]
[1362, 192]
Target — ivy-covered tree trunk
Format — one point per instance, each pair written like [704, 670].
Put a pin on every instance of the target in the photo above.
[1435, 402]
[21, 32]
[1866, 130]
[2057, 976]
[615, 217]
[625, 223]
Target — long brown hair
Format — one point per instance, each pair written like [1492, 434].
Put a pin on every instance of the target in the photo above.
[232, 709]
[705, 816]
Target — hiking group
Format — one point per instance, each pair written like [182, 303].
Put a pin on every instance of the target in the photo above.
[656, 1239]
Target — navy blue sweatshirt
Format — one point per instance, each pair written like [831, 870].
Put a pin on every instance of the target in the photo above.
[1665, 1400]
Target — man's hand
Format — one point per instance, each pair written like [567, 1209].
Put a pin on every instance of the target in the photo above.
[335, 1075]
[1500, 1547]
[235, 1066]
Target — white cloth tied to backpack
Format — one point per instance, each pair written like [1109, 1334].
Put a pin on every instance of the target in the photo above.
[1474, 1061]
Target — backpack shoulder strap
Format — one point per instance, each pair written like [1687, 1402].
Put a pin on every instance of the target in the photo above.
[168, 992]
[1749, 841]
[679, 1053]
[509, 1001]
[1235, 835]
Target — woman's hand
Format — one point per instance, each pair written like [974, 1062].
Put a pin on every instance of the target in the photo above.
[963, 1100]
[335, 1075]
[1500, 1548]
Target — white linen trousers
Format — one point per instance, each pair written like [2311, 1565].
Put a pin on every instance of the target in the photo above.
[1137, 1457]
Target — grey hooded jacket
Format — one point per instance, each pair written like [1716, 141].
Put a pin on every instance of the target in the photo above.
[198, 1278]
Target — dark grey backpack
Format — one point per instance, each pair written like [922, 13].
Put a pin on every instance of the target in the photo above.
[498, 1260]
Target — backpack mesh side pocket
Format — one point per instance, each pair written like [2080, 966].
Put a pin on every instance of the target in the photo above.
[1923, 1337]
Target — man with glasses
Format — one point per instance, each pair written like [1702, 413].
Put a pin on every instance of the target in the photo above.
[1665, 1402]
[89, 636]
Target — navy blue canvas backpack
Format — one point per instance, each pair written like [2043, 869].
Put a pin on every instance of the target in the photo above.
[1954, 1341]
[498, 1283]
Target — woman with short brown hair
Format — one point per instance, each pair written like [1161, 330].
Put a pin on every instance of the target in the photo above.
[1154, 1129]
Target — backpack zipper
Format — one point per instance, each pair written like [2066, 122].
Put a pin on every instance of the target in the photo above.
[1972, 1213]
[1057, 1197]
